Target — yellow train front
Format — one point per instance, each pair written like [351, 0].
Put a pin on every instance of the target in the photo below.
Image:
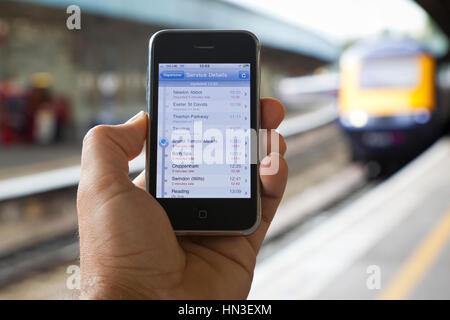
[387, 100]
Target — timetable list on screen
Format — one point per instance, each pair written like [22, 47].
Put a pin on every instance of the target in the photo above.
[203, 130]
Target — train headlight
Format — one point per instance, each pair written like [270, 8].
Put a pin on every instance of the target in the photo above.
[421, 115]
[358, 118]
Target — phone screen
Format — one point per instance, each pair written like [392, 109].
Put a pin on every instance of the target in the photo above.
[204, 133]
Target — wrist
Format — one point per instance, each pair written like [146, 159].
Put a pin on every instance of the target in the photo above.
[95, 287]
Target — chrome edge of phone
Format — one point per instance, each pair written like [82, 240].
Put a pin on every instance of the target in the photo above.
[255, 227]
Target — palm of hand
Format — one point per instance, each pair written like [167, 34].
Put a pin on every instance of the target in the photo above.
[128, 247]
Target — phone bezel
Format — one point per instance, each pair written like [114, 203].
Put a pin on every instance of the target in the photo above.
[225, 215]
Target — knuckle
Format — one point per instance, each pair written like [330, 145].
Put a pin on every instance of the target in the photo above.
[96, 133]
[83, 197]
[282, 146]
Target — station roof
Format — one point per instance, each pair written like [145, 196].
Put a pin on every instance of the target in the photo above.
[439, 10]
[211, 14]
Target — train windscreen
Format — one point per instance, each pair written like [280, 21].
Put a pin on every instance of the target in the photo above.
[392, 72]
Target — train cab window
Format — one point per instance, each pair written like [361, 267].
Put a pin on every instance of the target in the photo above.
[392, 72]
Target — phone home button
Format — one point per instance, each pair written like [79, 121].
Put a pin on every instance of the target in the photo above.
[202, 214]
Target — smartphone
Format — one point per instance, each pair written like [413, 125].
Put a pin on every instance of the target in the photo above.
[202, 147]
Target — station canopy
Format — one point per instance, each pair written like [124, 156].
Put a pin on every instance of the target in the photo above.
[211, 14]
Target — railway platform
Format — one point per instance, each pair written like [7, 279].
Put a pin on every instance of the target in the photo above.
[391, 243]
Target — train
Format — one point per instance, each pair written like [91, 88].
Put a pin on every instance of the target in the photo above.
[389, 102]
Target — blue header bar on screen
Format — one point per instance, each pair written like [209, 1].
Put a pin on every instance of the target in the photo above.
[203, 72]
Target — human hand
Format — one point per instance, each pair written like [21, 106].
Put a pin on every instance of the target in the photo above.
[128, 249]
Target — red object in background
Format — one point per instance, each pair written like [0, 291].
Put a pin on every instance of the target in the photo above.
[3, 128]
[20, 110]
[399, 138]
[35, 98]
[10, 98]
[62, 112]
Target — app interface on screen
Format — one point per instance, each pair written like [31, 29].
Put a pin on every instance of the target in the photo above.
[203, 130]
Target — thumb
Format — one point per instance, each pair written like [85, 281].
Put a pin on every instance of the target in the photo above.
[125, 235]
[107, 150]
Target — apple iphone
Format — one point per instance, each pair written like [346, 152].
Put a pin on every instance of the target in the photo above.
[202, 147]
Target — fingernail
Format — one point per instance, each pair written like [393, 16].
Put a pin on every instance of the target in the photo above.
[135, 117]
[276, 154]
[266, 161]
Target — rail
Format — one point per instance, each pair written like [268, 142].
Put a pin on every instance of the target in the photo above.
[40, 182]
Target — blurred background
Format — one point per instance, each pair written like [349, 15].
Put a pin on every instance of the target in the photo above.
[366, 88]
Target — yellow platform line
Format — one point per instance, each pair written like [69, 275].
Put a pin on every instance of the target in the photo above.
[422, 258]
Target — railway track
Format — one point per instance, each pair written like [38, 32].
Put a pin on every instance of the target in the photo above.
[308, 156]
[18, 263]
